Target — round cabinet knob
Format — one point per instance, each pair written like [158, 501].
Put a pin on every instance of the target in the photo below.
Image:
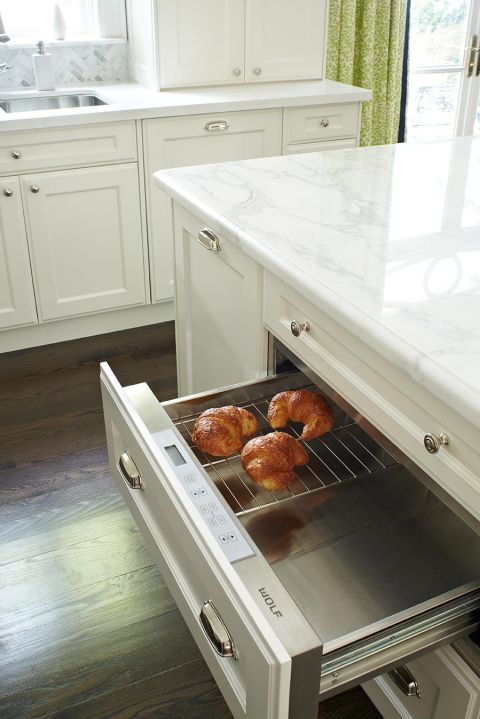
[298, 328]
[324, 122]
[35, 189]
[16, 154]
[237, 72]
[8, 192]
[257, 71]
[433, 443]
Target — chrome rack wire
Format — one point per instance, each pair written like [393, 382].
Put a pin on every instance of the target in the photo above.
[344, 453]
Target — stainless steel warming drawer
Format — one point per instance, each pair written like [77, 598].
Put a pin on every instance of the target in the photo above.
[296, 595]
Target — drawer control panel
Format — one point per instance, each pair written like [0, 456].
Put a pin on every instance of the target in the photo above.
[209, 506]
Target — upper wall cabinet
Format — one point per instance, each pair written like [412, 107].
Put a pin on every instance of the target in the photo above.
[175, 43]
[201, 42]
[284, 40]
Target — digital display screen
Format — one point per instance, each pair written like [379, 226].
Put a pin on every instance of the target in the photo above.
[174, 455]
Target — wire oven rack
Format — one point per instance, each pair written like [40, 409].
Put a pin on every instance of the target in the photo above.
[344, 453]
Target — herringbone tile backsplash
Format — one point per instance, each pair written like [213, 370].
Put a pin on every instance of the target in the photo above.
[74, 64]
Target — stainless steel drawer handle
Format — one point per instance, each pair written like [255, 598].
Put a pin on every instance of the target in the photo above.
[216, 126]
[35, 189]
[216, 631]
[403, 678]
[433, 443]
[209, 240]
[237, 72]
[297, 328]
[8, 192]
[130, 472]
[324, 122]
[257, 71]
[16, 154]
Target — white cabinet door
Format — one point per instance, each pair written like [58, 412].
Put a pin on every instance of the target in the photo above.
[284, 40]
[201, 43]
[17, 301]
[181, 141]
[84, 228]
[220, 336]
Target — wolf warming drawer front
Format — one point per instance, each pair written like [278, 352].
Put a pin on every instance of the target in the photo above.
[296, 595]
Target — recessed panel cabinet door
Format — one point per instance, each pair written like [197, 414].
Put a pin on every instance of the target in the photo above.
[17, 302]
[220, 337]
[201, 43]
[85, 236]
[284, 40]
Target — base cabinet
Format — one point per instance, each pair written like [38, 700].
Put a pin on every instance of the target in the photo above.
[449, 690]
[197, 140]
[17, 301]
[220, 338]
[84, 228]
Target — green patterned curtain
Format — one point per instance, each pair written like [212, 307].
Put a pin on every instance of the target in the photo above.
[365, 48]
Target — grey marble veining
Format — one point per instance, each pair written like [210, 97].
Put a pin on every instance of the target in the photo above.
[386, 239]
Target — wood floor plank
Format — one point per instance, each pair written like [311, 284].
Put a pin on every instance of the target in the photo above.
[187, 691]
[54, 482]
[116, 548]
[116, 639]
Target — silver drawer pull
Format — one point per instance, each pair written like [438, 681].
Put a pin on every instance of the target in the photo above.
[130, 472]
[16, 154]
[433, 443]
[8, 192]
[216, 631]
[209, 240]
[324, 122]
[216, 126]
[405, 681]
[35, 189]
[297, 328]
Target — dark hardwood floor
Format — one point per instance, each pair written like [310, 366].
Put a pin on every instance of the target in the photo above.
[88, 628]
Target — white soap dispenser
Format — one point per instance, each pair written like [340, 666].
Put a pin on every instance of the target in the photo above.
[43, 68]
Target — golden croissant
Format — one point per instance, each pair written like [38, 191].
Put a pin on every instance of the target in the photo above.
[223, 431]
[270, 460]
[302, 406]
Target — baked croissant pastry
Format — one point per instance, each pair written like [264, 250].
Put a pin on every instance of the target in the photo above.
[270, 460]
[301, 406]
[223, 431]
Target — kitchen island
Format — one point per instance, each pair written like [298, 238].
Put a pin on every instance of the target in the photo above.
[383, 243]
[356, 568]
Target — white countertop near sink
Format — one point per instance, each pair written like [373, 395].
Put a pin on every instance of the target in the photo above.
[384, 239]
[131, 101]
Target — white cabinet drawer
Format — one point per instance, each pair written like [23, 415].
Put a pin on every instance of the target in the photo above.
[448, 687]
[319, 122]
[299, 148]
[388, 398]
[57, 148]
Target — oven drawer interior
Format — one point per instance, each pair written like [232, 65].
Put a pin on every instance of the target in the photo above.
[378, 566]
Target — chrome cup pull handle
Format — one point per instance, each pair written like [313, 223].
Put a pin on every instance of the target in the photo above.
[209, 240]
[130, 472]
[216, 631]
[297, 328]
[403, 678]
[216, 126]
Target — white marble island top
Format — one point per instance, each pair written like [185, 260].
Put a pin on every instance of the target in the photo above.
[385, 239]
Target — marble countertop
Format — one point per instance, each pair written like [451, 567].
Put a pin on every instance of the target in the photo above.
[131, 101]
[384, 239]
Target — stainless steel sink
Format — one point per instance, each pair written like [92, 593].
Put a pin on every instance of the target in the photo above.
[49, 102]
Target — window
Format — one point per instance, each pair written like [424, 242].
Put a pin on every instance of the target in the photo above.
[32, 19]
